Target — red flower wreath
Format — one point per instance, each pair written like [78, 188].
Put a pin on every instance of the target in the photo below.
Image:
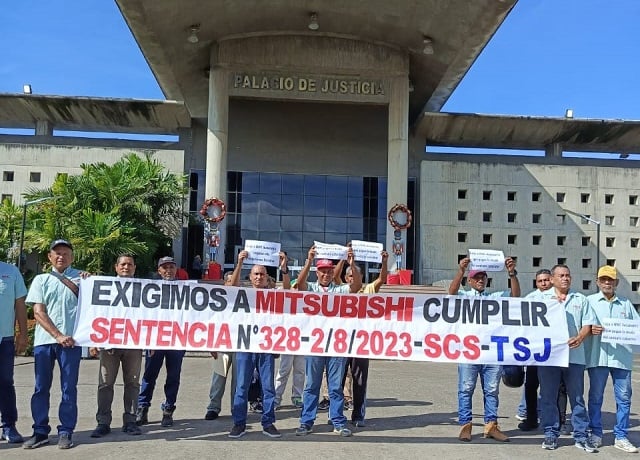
[204, 210]
[400, 208]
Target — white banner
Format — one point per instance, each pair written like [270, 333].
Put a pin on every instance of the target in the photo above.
[157, 314]
[618, 330]
[367, 251]
[486, 259]
[262, 253]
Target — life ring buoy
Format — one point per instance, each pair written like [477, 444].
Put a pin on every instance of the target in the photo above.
[403, 209]
[215, 203]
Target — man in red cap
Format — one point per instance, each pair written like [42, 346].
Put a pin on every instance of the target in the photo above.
[490, 374]
[316, 365]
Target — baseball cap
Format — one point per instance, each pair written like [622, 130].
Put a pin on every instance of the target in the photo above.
[55, 243]
[608, 271]
[473, 273]
[166, 260]
[324, 263]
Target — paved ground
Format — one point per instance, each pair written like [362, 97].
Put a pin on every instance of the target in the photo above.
[411, 414]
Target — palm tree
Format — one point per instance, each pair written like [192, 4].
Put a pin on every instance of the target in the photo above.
[133, 206]
[10, 224]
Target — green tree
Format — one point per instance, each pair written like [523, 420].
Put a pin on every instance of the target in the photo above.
[133, 206]
[10, 225]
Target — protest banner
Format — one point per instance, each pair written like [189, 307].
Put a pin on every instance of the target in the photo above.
[262, 253]
[158, 314]
[367, 251]
[486, 259]
[330, 251]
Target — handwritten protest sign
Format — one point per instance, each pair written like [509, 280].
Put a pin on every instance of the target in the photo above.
[330, 251]
[367, 251]
[262, 253]
[618, 330]
[486, 259]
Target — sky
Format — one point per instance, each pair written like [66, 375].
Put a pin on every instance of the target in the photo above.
[548, 55]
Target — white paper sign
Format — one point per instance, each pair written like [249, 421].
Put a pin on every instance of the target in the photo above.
[618, 330]
[486, 259]
[330, 251]
[367, 251]
[262, 253]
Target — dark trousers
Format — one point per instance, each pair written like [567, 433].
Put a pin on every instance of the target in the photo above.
[152, 366]
[531, 384]
[8, 408]
[110, 361]
[360, 374]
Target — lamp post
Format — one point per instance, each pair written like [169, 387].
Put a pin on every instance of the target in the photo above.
[24, 224]
[597, 223]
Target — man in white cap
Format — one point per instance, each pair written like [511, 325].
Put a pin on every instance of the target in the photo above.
[606, 359]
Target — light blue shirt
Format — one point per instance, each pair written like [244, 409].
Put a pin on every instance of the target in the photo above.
[606, 354]
[338, 288]
[579, 314]
[473, 293]
[61, 303]
[11, 288]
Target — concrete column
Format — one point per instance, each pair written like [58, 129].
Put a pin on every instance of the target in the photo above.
[553, 150]
[397, 154]
[44, 128]
[217, 138]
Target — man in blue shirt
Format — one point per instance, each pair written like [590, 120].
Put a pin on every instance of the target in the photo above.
[604, 359]
[489, 373]
[12, 308]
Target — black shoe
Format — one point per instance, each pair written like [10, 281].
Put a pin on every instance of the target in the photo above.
[211, 415]
[132, 429]
[256, 407]
[36, 440]
[64, 441]
[238, 431]
[100, 431]
[142, 416]
[167, 418]
[528, 426]
[324, 404]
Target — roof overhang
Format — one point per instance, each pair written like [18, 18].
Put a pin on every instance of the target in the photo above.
[529, 133]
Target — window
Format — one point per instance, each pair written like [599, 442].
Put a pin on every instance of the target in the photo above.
[633, 200]
[586, 263]
[536, 218]
[486, 217]
[462, 237]
[7, 176]
[511, 239]
[586, 285]
[537, 261]
[611, 262]
[561, 240]
[34, 177]
[536, 240]
[462, 215]
[560, 197]
[562, 261]
[635, 264]
[7, 197]
[489, 280]
[461, 256]
[608, 198]
[634, 242]
[610, 241]
[486, 195]
[561, 219]
[534, 285]
[585, 197]
[635, 285]
[511, 217]
[511, 196]
[535, 196]
[584, 221]
[586, 240]
[633, 221]
[462, 194]
[608, 220]
[486, 238]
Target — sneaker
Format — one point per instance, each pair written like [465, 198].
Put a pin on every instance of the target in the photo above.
[342, 431]
[303, 430]
[100, 431]
[550, 443]
[142, 416]
[167, 418]
[324, 404]
[521, 417]
[596, 440]
[11, 435]
[36, 440]
[211, 415]
[64, 441]
[527, 426]
[566, 429]
[297, 402]
[358, 423]
[586, 445]
[271, 431]
[132, 429]
[625, 445]
[348, 405]
[256, 406]
[238, 431]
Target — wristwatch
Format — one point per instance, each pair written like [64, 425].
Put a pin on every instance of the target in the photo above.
[513, 273]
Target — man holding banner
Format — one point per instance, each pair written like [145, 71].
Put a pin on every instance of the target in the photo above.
[490, 374]
[316, 365]
[605, 358]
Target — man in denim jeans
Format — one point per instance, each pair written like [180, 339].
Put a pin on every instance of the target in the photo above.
[12, 308]
[334, 365]
[580, 318]
[615, 359]
[489, 374]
